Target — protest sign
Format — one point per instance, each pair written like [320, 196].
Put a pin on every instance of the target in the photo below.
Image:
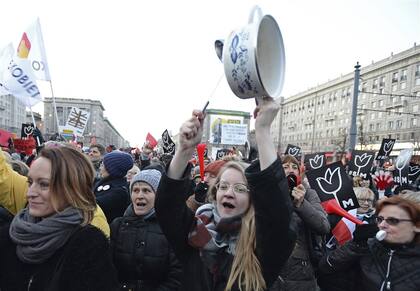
[332, 182]
[168, 144]
[361, 164]
[386, 148]
[315, 161]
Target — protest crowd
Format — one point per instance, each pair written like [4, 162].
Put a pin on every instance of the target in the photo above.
[102, 218]
[172, 216]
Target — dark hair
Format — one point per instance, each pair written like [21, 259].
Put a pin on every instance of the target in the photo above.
[100, 148]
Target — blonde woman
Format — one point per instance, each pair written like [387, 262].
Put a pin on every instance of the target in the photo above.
[240, 240]
[50, 244]
[366, 199]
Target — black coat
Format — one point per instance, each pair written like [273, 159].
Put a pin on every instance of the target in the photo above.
[142, 255]
[112, 195]
[274, 239]
[83, 263]
[370, 262]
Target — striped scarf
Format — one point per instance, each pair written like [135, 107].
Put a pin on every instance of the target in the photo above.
[213, 235]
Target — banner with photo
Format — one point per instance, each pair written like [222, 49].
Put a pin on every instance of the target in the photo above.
[402, 167]
[386, 148]
[217, 130]
[332, 182]
[314, 161]
[361, 164]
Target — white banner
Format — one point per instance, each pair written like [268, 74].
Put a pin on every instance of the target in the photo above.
[234, 134]
[16, 77]
[77, 121]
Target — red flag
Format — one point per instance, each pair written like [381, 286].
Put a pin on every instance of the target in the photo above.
[151, 140]
[200, 152]
[4, 137]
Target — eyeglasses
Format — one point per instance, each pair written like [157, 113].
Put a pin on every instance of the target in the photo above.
[362, 200]
[391, 220]
[237, 188]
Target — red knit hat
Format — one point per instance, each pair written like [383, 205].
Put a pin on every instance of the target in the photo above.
[214, 167]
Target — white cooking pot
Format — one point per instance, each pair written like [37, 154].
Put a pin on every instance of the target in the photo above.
[253, 57]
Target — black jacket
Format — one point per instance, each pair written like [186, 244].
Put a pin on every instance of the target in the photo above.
[142, 255]
[83, 263]
[371, 260]
[274, 239]
[112, 195]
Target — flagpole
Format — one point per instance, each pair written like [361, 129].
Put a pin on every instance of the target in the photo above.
[33, 121]
[55, 107]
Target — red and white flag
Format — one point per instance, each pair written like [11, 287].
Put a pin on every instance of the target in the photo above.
[151, 140]
[31, 47]
[343, 230]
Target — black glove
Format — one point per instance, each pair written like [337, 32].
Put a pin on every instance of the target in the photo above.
[200, 192]
[364, 231]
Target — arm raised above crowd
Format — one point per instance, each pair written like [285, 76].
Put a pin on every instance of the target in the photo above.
[190, 135]
[265, 113]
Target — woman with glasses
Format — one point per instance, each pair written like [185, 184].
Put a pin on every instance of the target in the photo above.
[241, 239]
[390, 264]
[366, 199]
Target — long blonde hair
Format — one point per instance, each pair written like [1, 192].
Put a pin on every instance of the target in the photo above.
[246, 269]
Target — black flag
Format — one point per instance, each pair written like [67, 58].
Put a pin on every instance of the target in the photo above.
[168, 144]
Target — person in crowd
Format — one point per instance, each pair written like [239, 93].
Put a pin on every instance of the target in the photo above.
[20, 167]
[141, 253]
[96, 153]
[14, 186]
[195, 173]
[411, 195]
[131, 173]
[242, 238]
[50, 244]
[390, 264]
[309, 220]
[366, 199]
[111, 191]
[199, 196]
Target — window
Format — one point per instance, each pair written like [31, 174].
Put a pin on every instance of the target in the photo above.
[404, 75]
[418, 81]
[364, 85]
[415, 108]
[394, 88]
[413, 122]
[375, 84]
[373, 116]
[394, 77]
[390, 124]
[381, 103]
[417, 70]
[371, 127]
[399, 124]
[403, 85]
[382, 82]
[380, 114]
[373, 104]
[378, 126]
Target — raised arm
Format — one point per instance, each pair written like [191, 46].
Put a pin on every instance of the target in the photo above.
[175, 218]
[265, 113]
[190, 135]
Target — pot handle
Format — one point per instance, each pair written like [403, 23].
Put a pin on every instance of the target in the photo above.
[255, 10]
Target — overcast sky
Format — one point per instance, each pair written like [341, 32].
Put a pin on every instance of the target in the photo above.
[151, 62]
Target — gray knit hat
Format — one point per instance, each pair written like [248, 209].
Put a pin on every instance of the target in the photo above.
[151, 177]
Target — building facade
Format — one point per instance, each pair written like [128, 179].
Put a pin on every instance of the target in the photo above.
[388, 107]
[98, 127]
[12, 114]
